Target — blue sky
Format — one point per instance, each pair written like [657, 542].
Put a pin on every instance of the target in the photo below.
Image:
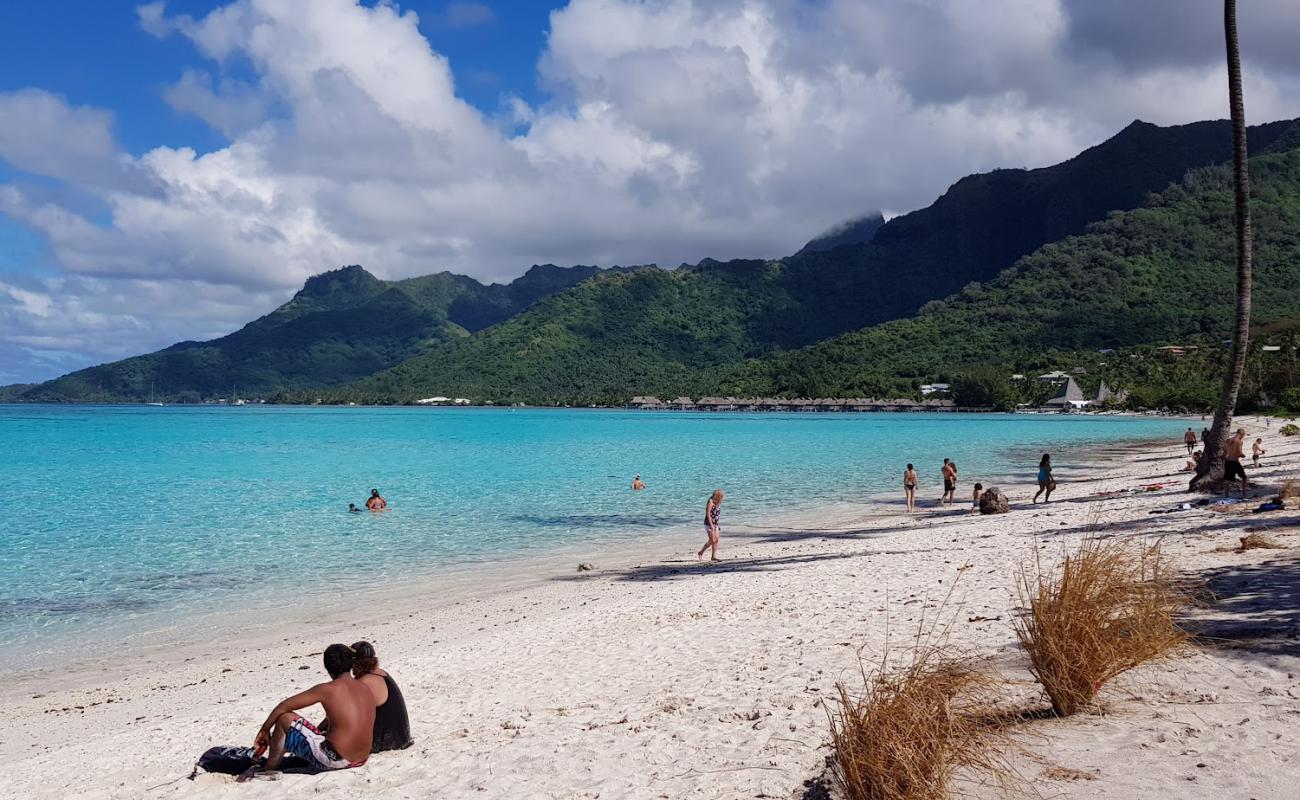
[172, 170]
[94, 52]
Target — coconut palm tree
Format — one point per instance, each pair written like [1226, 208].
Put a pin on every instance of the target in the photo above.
[1211, 468]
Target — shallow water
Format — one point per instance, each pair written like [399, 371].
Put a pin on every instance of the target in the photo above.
[127, 518]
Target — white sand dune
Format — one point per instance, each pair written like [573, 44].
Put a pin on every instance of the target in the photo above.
[667, 678]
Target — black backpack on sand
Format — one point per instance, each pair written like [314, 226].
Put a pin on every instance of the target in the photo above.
[230, 760]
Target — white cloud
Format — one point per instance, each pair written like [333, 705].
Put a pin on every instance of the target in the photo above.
[673, 130]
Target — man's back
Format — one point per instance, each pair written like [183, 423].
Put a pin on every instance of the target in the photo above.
[350, 706]
[1232, 450]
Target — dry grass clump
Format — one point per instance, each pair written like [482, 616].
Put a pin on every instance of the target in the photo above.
[1109, 607]
[917, 728]
[1290, 490]
[1259, 541]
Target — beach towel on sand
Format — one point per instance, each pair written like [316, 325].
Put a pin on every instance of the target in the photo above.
[230, 760]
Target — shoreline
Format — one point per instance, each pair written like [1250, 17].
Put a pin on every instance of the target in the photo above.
[157, 630]
[447, 585]
[661, 676]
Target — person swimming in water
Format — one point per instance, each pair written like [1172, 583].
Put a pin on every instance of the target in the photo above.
[352, 508]
[376, 503]
[712, 514]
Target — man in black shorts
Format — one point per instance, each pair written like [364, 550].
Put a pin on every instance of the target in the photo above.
[1233, 450]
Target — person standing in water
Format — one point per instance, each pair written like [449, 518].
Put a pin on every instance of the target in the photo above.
[637, 484]
[1189, 439]
[1045, 481]
[376, 503]
[909, 487]
[712, 514]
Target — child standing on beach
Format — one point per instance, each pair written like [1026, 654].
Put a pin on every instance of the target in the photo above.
[712, 514]
[975, 498]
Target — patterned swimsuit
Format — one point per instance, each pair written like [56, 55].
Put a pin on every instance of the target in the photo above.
[712, 517]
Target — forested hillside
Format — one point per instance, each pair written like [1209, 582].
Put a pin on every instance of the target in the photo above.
[1163, 274]
[1150, 275]
[341, 326]
[581, 334]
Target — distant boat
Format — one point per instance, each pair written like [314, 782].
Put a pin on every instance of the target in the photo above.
[152, 402]
[235, 399]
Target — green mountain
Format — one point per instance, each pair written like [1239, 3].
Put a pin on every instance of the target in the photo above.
[342, 325]
[1160, 275]
[583, 334]
[653, 332]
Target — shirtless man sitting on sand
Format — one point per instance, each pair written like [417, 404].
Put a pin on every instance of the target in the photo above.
[341, 741]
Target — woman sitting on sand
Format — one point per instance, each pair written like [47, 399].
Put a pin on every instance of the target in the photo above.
[712, 513]
[909, 486]
[392, 726]
[1045, 481]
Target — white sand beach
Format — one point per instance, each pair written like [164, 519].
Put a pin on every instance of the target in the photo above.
[660, 677]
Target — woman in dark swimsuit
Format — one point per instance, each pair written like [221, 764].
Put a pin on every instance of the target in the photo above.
[909, 487]
[712, 513]
[392, 727]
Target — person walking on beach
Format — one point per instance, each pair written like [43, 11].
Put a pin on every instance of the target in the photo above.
[712, 513]
[1189, 439]
[949, 482]
[909, 487]
[376, 503]
[1257, 450]
[1233, 451]
[1046, 483]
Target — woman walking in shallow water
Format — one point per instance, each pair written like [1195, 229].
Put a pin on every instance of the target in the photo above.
[712, 513]
[909, 486]
[1046, 483]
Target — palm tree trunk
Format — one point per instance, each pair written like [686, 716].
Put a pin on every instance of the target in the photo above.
[1211, 467]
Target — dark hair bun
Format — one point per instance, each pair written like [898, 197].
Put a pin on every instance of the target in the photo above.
[363, 650]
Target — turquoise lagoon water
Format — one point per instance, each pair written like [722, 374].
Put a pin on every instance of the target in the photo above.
[132, 518]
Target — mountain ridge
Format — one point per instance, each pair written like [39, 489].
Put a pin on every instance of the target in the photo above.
[566, 332]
